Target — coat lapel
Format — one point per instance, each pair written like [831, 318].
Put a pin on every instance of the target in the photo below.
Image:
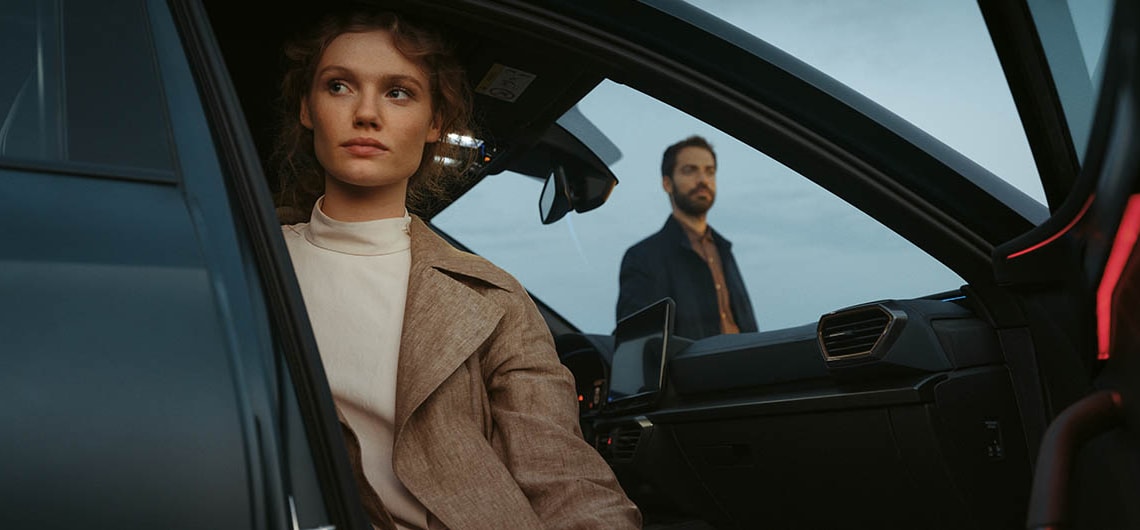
[445, 321]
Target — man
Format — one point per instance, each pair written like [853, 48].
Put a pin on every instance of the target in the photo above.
[687, 260]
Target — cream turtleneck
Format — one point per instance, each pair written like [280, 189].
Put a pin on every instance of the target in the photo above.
[354, 279]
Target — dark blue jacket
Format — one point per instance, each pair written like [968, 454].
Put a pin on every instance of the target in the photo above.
[665, 264]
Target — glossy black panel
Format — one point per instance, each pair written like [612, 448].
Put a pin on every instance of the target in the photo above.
[54, 217]
[119, 404]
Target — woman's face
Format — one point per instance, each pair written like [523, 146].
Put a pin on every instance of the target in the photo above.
[369, 108]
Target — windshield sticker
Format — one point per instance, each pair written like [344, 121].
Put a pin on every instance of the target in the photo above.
[504, 82]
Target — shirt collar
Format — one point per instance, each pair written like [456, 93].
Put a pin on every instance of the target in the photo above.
[694, 236]
[363, 238]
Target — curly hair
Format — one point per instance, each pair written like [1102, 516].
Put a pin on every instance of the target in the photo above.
[301, 177]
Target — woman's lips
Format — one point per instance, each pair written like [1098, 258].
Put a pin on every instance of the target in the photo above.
[363, 150]
[364, 147]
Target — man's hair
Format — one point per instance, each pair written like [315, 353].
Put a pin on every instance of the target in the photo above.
[669, 160]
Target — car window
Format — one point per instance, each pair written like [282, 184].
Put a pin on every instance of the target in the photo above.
[801, 250]
[1073, 36]
[931, 63]
[70, 94]
[1090, 20]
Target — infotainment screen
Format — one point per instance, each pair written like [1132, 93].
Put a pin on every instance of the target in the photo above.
[638, 367]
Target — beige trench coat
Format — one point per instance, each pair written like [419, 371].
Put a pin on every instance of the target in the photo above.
[486, 425]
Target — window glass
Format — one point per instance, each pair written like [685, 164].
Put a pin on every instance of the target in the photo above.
[801, 251]
[931, 63]
[1091, 19]
[80, 84]
[1073, 35]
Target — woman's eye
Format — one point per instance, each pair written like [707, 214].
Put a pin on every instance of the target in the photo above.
[337, 87]
[399, 93]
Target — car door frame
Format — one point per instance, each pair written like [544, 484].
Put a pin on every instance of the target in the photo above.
[1092, 441]
[252, 207]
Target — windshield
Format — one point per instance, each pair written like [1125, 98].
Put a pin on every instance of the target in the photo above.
[801, 251]
[931, 63]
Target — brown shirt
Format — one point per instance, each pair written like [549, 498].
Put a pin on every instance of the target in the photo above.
[705, 247]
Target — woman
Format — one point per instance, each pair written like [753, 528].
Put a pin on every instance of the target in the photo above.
[455, 408]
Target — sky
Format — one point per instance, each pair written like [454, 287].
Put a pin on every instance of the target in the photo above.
[802, 251]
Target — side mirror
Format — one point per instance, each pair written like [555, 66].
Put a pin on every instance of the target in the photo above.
[554, 203]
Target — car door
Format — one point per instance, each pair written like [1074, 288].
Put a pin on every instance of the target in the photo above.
[157, 372]
[1075, 75]
[317, 487]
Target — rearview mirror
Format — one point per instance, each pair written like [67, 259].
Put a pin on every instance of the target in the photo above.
[573, 186]
[554, 203]
[573, 157]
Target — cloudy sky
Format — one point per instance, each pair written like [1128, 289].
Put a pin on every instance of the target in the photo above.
[802, 251]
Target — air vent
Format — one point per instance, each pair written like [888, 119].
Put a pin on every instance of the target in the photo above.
[618, 443]
[625, 443]
[853, 333]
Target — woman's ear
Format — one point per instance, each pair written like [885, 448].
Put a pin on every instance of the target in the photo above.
[306, 119]
[434, 130]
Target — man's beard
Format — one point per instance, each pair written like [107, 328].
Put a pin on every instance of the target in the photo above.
[691, 206]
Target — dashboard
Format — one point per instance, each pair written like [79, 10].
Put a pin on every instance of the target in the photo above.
[902, 399]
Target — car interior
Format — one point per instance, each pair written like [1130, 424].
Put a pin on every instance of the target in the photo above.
[890, 413]
[1003, 402]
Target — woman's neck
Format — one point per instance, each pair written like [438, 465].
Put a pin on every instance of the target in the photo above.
[348, 203]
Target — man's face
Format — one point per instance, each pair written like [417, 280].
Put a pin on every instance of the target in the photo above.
[693, 182]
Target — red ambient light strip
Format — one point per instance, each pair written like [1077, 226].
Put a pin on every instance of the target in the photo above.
[1122, 248]
[1054, 237]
